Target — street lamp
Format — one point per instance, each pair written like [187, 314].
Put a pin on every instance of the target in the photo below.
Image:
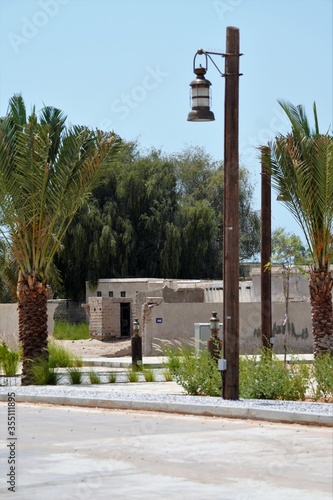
[213, 343]
[200, 88]
[136, 343]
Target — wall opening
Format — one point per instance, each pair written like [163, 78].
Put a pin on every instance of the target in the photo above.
[125, 319]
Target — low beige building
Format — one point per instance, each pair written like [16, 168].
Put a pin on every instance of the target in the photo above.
[170, 309]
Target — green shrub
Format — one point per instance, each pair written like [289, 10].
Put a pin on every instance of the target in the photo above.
[9, 360]
[112, 377]
[94, 378]
[3, 351]
[70, 331]
[75, 375]
[195, 371]
[10, 363]
[297, 381]
[322, 373]
[260, 376]
[42, 373]
[263, 376]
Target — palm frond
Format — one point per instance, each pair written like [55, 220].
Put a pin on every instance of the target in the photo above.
[46, 173]
[301, 166]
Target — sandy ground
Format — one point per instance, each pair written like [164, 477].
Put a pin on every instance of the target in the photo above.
[92, 348]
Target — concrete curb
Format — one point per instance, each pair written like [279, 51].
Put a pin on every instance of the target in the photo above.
[124, 362]
[268, 415]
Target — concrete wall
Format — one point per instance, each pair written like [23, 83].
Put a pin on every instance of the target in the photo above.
[298, 285]
[176, 321]
[249, 291]
[68, 310]
[9, 322]
[130, 287]
[9, 325]
[183, 295]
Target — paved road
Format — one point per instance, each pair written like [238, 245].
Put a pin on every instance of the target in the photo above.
[67, 453]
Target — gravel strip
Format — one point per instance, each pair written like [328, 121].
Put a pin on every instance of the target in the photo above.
[106, 393]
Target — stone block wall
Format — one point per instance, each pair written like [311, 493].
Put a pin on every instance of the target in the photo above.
[104, 317]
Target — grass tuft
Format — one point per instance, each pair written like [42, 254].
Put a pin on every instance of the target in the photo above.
[70, 331]
[132, 376]
[94, 378]
[149, 375]
[167, 375]
[112, 377]
[59, 357]
[42, 373]
[75, 375]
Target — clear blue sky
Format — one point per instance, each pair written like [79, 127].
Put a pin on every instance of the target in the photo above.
[126, 65]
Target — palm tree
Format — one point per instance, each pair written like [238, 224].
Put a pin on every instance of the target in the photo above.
[301, 166]
[46, 172]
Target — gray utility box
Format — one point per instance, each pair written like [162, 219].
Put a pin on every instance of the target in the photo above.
[202, 334]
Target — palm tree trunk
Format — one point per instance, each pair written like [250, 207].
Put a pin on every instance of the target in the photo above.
[320, 283]
[32, 313]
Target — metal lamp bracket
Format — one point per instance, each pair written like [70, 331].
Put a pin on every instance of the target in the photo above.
[206, 59]
[207, 55]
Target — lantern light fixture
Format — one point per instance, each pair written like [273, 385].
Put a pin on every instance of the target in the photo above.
[136, 327]
[200, 90]
[214, 324]
[200, 97]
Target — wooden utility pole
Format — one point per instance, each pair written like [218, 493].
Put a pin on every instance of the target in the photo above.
[230, 388]
[266, 250]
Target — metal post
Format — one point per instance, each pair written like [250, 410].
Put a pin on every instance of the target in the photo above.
[266, 243]
[136, 342]
[230, 389]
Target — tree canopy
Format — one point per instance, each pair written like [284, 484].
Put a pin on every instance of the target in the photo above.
[155, 215]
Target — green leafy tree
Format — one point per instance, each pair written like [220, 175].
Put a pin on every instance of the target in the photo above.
[46, 172]
[128, 228]
[249, 219]
[155, 215]
[301, 166]
[200, 178]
